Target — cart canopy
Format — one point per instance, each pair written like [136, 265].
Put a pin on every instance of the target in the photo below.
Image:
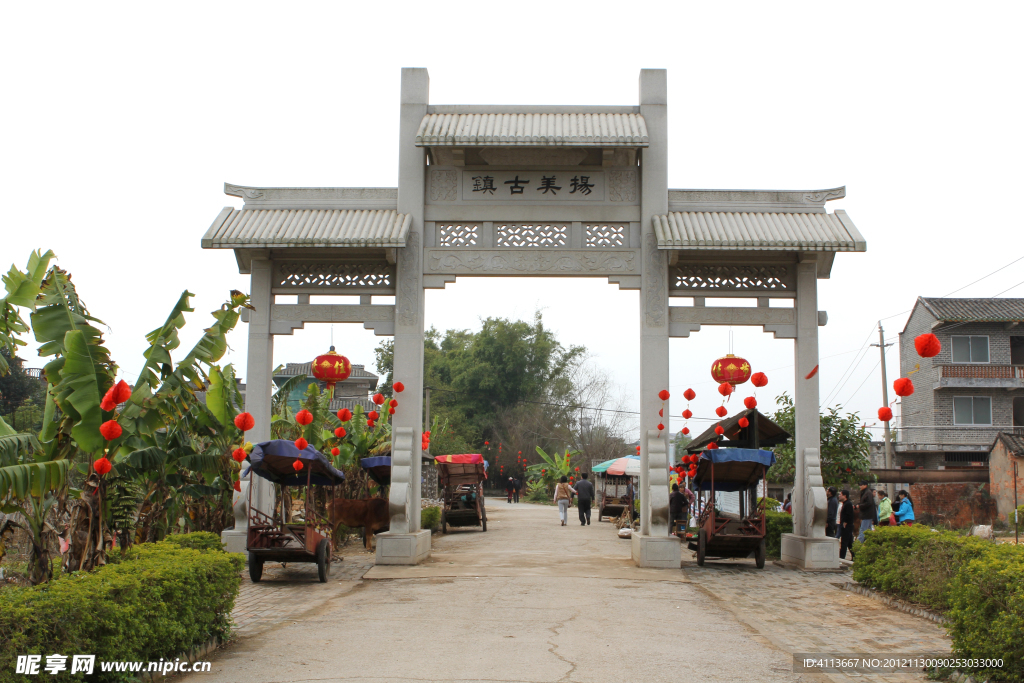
[379, 468]
[273, 460]
[736, 469]
[461, 459]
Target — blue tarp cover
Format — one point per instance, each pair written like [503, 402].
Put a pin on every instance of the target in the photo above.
[273, 460]
[376, 461]
[735, 467]
[766, 458]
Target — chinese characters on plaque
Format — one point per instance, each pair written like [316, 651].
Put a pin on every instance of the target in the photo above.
[497, 186]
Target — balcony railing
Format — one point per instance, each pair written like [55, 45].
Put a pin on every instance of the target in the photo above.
[983, 371]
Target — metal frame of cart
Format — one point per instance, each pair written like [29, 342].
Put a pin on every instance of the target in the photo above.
[461, 478]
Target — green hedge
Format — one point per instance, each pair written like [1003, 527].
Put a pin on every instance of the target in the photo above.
[776, 524]
[914, 563]
[198, 540]
[430, 517]
[161, 600]
[978, 584]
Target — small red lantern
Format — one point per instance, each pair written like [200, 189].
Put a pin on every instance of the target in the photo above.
[245, 421]
[393, 403]
[340, 432]
[303, 417]
[238, 454]
[927, 345]
[335, 451]
[331, 368]
[687, 414]
[660, 426]
[689, 394]
[719, 429]
[663, 394]
[759, 379]
[297, 465]
[378, 399]
[344, 414]
[301, 443]
[398, 387]
[750, 402]
[725, 388]
[743, 423]
[903, 386]
[720, 411]
[885, 414]
[712, 446]
[731, 369]
[110, 430]
[373, 415]
[102, 466]
[237, 486]
[686, 430]
[391, 411]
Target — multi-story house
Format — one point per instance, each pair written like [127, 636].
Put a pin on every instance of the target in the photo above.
[354, 390]
[972, 390]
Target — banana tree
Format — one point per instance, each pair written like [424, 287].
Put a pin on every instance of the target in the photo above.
[553, 467]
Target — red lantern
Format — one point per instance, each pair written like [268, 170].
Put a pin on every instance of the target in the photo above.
[398, 387]
[692, 472]
[102, 466]
[686, 430]
[750, 402]
[743, 423]
[885, 414]
[340, 432]
[725, 388]
[117, 394]
[663, 394]
[689, 394]
[660, 426]
[303, 417]
[370, 424]
[237, 486]
[331, 368]
[487, 443]
[720, 411]
[712, 446]
[812, 373]
[344, 414]
[759, 379]
[373, 416]
[903, 386]
[245, 421]
[731, 369]
[301, 443]
[391, 411]
[661, 413]
[378, 399]
[927, 345]
[335, 451]
[238, 454]
[297, 465]
[719, 429]
[687, 414]
[110, 430]
[393, 403]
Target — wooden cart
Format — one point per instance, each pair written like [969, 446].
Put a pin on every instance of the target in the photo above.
[461, 478]
[614, 495]
[272, 539]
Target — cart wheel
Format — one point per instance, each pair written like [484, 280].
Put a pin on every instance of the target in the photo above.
[444, 522]
[702, 541]
[323, 560]
[483, 522]
[255, 567]
[759, 555]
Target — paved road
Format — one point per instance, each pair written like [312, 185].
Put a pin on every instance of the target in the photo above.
[535, 602]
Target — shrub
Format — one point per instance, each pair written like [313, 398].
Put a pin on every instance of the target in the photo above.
[986, 615]
[914, 563]
[160, 600]
[430, 517]
[198, 540]
[776, 524]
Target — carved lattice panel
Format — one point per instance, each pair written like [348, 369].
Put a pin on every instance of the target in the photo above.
[532, 235]
[604, 235]
[349, 275]
[767, 278]
[458, 235]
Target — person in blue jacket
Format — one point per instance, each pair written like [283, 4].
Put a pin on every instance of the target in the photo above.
[905, 510]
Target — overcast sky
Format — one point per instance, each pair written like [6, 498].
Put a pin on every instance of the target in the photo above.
[121, 122]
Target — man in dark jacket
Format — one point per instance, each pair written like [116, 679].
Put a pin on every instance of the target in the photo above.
[585, 491]
[517, 486]
[831, 528]
[866, 507]
[845, 525]
[677, 507]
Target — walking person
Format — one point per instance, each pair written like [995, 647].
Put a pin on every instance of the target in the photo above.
[787, 507]
[517, 486]
[585, 491]
[845, 524]
[885, 517]
[677, 508]
[832, 520]
[510, 488]
[563, 497]
[866, 507]
[905, 512]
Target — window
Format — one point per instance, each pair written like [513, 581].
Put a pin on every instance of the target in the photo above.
[972, 410]
[970, 349]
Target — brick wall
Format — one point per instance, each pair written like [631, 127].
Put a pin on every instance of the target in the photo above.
[918, 409]
[1001, 478]
[958, 505]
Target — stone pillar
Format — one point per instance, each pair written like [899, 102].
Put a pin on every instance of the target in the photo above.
[405, 542]
[258, 385]
[653, 546]
[807, 547]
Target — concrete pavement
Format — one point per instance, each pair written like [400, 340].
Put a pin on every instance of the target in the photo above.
[532, 601]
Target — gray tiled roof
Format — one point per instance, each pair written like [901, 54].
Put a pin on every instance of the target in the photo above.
[573, 130]
[975, 310]
[758, 231]
[268, 228]
[1013, 442]
[292, 369]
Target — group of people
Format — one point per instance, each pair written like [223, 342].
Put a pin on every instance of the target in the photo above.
[874, 509]
[564, 493]
[512, 487]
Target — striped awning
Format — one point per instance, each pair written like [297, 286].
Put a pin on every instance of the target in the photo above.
[496, 130]
[758, 231]
[269, 228]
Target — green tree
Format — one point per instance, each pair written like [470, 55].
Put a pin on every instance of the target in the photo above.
[16, 387]
[845, 446]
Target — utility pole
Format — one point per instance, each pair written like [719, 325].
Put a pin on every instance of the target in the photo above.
[891, 486]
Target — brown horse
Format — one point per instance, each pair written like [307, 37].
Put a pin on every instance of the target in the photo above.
[369, 513]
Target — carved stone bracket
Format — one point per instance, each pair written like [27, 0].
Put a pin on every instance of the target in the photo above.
[657, 482]
[524, 262]
[815, 508]
[286, 318]
[400, 496]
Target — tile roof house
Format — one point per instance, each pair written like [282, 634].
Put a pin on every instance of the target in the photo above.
[971, 391]
[353, 391]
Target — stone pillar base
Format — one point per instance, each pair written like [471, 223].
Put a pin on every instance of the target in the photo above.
[403, 548]
[657, 552]
[807, 553]
[234, 541]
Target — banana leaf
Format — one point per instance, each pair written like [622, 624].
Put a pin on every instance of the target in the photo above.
[35, 479]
